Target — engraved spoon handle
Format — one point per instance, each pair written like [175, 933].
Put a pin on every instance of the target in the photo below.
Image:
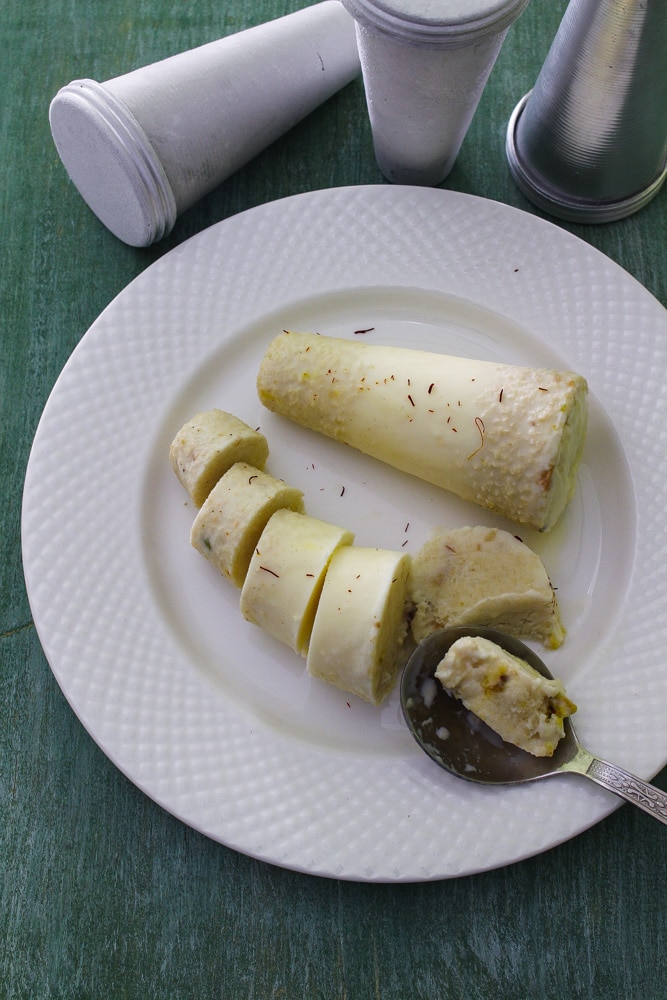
[649, 798]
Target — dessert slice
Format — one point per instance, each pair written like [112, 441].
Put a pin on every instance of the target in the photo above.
[504, 437]
[286, 574]
[208, 445]
[233, 516]
[516, 701]
[361, 621]
[483, 576]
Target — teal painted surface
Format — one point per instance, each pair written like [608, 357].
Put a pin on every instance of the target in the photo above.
[103, 894]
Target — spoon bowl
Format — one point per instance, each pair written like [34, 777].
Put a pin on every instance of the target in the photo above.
[460, 742]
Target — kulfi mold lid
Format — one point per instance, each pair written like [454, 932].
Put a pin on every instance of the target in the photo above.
[112, 163]
[446, 23]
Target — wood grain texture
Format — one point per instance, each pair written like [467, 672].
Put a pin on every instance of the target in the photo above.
[102, 893]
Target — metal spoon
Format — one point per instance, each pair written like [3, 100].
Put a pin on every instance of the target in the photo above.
[459, 741]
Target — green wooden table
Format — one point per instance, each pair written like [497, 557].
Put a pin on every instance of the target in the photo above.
[105, 895]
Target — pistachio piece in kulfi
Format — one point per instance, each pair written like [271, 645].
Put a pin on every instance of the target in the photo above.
[523, 707]
[483, 576]
[361, 622]
[233, 516]
[286, 574]
[505, 437]
[208, 445]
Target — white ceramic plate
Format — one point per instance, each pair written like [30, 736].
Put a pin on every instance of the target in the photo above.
[212, 719]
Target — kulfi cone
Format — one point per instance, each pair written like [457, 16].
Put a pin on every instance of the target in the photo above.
[505, 437]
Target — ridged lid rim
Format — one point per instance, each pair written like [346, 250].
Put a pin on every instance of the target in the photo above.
[436, 23]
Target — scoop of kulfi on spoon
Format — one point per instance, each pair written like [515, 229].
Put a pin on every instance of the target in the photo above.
[461, 743]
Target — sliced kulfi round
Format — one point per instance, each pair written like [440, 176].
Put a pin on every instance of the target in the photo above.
[286, 573]
[208, 445]
[483, 576]
[361, 622]
[517, 702]
[233, 516]
[508, 438]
